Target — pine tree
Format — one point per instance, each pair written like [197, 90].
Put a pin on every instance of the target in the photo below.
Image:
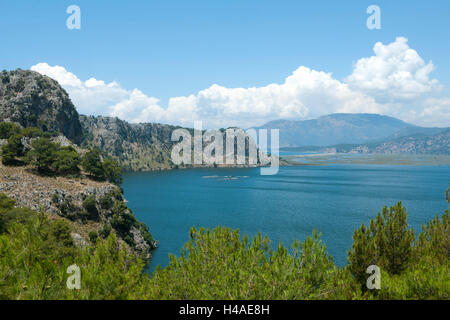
[92, 164]
[66, 161]
[386, 243]
[42, 154]
[112, 171]
[12, 150]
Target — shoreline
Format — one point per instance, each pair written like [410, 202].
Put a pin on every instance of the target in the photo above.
[322, 159]
[370, 159]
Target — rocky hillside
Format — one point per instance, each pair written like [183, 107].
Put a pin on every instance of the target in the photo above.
[33, 100]
[91, 207]
[414, 144]
[138, 147]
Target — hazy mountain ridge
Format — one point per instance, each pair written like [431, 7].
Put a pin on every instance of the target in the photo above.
[336, 129]
[360, 133]
[438, 143]
[415, 132]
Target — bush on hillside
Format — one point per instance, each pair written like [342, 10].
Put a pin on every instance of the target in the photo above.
[8, 129]
[92, 164]
[66, 161]
[12, 151]
[42, 154]
[108, 169]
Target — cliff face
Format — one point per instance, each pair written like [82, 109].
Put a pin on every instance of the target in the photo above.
[138, 147]
[33, 100]
[144, 146]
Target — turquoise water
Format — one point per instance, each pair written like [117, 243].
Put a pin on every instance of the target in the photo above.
[334, 199]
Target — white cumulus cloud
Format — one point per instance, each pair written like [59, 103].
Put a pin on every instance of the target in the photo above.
[395, 71]
[93, 97]
[384, 83]
[305, 93]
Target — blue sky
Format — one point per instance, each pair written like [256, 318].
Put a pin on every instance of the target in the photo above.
[169, 49]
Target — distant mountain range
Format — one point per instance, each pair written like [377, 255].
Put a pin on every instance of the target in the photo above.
[333, 129]
[362, 133]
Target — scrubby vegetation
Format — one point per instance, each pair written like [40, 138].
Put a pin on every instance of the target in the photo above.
[221, 264]
[8, 129]
[31, 146]
[107, 169]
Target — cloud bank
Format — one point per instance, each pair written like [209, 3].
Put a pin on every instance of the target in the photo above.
[394, 81]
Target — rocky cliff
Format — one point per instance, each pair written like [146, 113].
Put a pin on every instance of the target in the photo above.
[138, 147]
[33, 100]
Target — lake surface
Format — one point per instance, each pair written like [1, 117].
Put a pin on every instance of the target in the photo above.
[335, 199]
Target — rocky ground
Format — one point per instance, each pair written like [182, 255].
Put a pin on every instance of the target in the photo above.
[62, 198]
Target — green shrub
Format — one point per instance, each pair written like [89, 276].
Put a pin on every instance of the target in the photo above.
[66, 161]
[426, 279]
[8, 129]
[144, 229]
[106, 201]
[9, 214]
[219, 264]
[105, 231]
[122, 219]
[92, 164]
[108, 169]
[112, 171]
[129, 240]
[12, 150]
[118, 194]
[46, 156]
[93, 236]
[434, 240]
[43, 154]
[6, 203]
[90, 205]
[67, 208]
[32, 132]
